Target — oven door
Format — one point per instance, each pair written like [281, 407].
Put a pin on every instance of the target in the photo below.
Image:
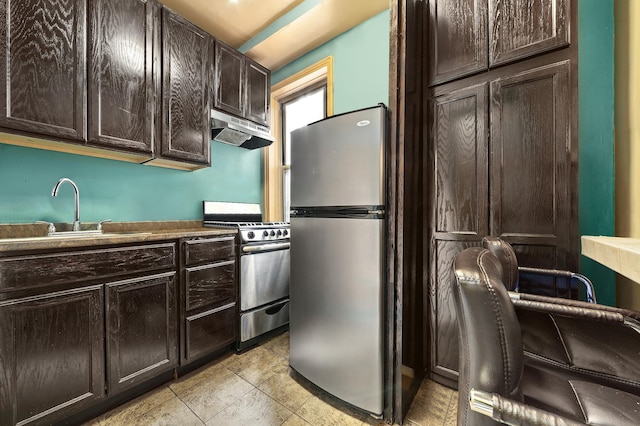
[264, 274]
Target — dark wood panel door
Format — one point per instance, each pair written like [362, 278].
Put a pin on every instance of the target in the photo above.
[457, 39]
[42, 67]
[518, 28]
[208, 331]
[531, 160]
[459, 216]
[258, 92]
[230, 80]
[460, 168]
[51, 355]
[187, 55]
[121, 82]
[142, 338]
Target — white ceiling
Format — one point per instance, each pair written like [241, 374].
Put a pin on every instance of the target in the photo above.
[302, 24]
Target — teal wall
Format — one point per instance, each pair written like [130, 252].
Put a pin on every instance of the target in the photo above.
[131, 192]
[596, 134]
[360, 65]
[121, 191]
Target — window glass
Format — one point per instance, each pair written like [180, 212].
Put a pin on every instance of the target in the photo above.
[299, 111]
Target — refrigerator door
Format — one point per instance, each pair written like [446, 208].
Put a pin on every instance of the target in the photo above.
[339, 161]
[336, 311]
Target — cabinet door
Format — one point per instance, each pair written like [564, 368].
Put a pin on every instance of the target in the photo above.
[230, 78]
[121, 60]
[141, 329]
[42, 67]
[460, 212]
[518, 28]
[457, 39]
[531, 172]
[258, 92]
[186, 64]
[51, 355]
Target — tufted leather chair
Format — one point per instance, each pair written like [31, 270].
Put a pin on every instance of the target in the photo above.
[537, 280]
[587, 371]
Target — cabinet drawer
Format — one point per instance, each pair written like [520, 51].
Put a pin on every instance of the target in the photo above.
[209, 331]
[210, 284]
[209, 250]
[67, 267]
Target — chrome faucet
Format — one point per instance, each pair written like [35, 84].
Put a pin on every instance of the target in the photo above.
[76, 217]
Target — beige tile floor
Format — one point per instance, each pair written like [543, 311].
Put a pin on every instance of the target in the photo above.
[255, 388]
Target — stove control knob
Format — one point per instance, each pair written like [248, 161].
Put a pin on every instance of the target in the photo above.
[250, 235]
[279, 233]
[265, 234]
[285, 233]
[273, 233]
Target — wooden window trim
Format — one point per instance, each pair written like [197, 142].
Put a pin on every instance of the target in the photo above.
[320, 71]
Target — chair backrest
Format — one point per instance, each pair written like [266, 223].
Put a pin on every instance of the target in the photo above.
[507, 257]
[491, 356]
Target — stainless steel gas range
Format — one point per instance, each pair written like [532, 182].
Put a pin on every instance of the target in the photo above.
[263, 250]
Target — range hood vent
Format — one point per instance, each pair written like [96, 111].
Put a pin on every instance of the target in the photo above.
[235, 131]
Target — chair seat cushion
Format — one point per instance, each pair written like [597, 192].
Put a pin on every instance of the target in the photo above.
[590, 403]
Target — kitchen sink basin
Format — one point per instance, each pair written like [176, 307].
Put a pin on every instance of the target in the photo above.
[71, 235]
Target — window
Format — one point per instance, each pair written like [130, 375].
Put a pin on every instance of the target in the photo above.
[304, 108]
[290, 100]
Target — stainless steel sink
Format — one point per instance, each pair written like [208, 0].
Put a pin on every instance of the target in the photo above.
[71, 235]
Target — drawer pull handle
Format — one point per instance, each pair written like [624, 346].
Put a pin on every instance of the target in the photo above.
[275, 309]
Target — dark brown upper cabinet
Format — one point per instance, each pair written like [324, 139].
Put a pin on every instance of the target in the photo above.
[517, 31]
[258, 92]
[121, 82]
[187, 62]
[457, 39]
[470, 36]
[42, 66]
[242, 86]
[229, 80]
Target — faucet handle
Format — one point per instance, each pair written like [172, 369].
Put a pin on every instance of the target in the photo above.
[52, 227]
[101, 222]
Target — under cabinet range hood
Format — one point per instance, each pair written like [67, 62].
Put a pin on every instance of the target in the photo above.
[232, 130]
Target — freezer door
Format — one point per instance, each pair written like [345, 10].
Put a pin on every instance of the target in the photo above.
[339, 161]
[336, 318]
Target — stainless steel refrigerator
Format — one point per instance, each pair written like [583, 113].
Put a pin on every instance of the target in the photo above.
[337, 255]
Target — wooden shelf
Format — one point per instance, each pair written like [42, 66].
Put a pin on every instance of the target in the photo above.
[620, 254]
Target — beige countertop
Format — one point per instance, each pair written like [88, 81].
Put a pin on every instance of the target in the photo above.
[618, 253]
[22, 237]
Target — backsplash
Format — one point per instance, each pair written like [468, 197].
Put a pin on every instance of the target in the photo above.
[118, 190]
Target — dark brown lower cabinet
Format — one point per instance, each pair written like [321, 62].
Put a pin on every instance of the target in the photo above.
[51, 355]
[142, 336]
[208, 296]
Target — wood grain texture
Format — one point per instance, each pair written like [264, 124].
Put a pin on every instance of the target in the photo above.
[457, 41]
[531, 156]
[51, 355]
[230, 80]
[210, 285]
[121, 88]
[444, 321]
[258, 92]
[37, 272]
[461, 169]
[198, 251]
[142, 334]
[209, 331]
[521, 28]
[185, 90]
[42, 67]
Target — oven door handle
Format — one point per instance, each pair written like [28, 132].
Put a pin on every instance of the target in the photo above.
[266, 247]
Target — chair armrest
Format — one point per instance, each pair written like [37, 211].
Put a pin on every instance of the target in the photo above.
[512, 412]
[574, 308]
[586, 282]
